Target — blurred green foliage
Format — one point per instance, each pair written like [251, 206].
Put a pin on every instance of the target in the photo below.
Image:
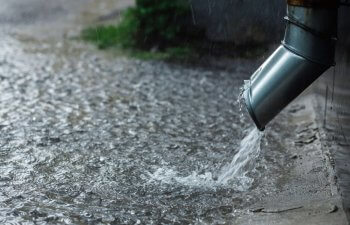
[123, 35]
[151, 24]
[163, 29]
[161, 22]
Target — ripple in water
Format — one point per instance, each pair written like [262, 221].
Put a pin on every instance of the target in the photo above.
[234, 174]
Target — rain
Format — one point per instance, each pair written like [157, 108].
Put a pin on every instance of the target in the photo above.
[94, 132]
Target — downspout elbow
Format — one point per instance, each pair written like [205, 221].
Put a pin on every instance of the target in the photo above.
[306, 52]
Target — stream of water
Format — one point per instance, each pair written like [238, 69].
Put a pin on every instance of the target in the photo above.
[234, 174]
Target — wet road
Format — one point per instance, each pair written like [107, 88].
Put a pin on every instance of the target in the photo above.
[83, 133]
[80, 136]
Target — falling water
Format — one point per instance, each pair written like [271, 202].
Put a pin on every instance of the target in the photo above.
[234, 174]
[243, 162]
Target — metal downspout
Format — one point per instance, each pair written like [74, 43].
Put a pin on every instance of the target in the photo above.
[306, 52]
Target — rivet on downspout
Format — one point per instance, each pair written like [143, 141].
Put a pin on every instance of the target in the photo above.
[306, 52]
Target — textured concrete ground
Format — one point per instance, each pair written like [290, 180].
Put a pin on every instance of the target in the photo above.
[83, 133]
[333, 103]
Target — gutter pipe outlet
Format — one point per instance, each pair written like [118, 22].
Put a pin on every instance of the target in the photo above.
[306, 52]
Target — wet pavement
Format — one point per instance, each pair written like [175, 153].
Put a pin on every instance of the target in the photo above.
[85, 135]
[333, 91]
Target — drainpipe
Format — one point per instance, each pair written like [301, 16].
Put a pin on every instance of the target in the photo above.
[306, 52]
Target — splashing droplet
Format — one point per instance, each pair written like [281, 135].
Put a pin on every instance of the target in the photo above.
[243, 162]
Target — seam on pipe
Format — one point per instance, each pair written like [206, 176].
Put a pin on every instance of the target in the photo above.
[309, 29]
[293, 50]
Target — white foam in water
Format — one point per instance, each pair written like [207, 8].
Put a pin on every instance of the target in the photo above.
[169, 176]
[233, 174]
[243, 161]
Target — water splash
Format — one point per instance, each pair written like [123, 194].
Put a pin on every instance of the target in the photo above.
[171, 176]
[234, 174]
[241, 100]
[243, 162]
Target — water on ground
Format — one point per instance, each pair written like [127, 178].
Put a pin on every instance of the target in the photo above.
[86, 138]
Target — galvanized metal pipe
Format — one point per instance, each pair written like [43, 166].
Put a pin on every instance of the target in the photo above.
[307, 51]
